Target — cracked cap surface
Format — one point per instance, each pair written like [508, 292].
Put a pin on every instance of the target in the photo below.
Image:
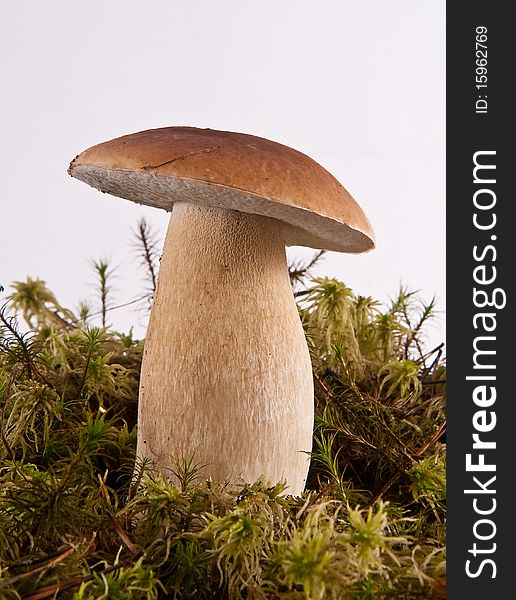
[234, 171]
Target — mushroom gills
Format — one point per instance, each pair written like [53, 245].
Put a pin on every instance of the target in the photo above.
[226, 374]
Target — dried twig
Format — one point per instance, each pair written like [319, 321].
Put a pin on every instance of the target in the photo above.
[49, 565]
[135, 553]
[52, 590]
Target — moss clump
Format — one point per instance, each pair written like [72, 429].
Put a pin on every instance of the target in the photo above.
[75, 523]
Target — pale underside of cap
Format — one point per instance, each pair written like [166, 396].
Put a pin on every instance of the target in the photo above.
[232, 171]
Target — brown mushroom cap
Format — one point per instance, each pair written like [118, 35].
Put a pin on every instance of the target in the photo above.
[234, 171]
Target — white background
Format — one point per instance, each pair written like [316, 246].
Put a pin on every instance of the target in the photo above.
[358, 86]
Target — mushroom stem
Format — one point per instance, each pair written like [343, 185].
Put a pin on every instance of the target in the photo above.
[226, 375]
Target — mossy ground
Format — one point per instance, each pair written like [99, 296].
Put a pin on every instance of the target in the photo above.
[74, 523]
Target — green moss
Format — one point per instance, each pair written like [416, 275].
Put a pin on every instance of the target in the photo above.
[76, 523]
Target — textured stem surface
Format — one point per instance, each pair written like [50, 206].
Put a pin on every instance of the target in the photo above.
[226, 375]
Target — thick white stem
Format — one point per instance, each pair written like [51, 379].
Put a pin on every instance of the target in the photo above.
[226, 374]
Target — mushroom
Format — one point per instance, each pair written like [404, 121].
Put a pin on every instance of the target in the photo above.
[226, 374]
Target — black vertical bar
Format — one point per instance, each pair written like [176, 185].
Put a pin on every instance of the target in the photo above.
[481, 130]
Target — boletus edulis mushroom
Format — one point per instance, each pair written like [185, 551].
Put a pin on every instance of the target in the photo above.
[226, 375]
